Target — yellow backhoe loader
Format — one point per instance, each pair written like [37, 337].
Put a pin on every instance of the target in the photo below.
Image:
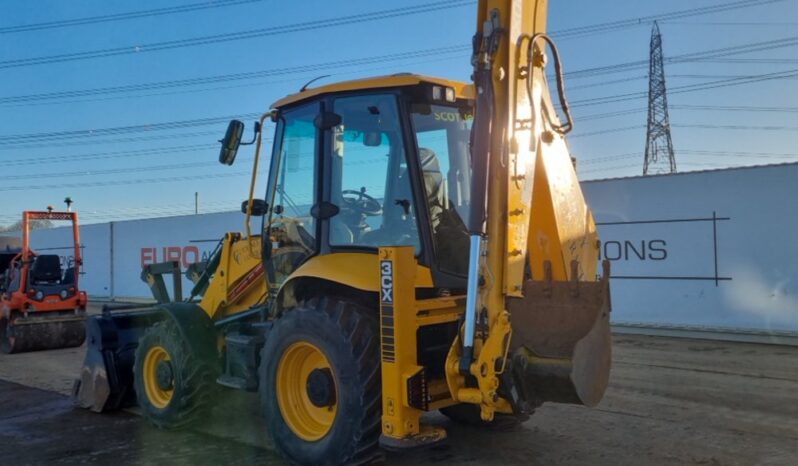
[424, 245]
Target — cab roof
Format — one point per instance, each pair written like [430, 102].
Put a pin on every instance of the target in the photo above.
[462, 90]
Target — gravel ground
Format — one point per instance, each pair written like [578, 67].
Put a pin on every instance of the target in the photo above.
[670, 401]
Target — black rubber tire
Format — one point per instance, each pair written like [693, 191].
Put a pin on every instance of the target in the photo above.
[469, 414]
[5, 333]
[348, 335]
[194, 379]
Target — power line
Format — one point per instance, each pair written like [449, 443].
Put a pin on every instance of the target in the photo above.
[746, 61]
[738, 127]
[301, 79]
[608, 83]
[712, 76]
[601, 116]
[103, 155]
[131, 129]
[736, 108]
[733, 23]
[688, 88]
[357, 62]
[669, 76]
[633, 22]
[316, 67]
[109, 141]
[688, 126]
[364, 17]
[708, 108]
[687, 57]
[607, 131]
[753, 155]
[122, 16]
[313, 67]
[603, 169]
[173, 179]
[115, 171]
[127, 212]
[694, 152]
[608, 158]
[241, 35]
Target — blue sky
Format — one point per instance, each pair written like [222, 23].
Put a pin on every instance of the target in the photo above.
[119, 173]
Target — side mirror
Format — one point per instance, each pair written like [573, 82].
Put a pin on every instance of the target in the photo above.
[230, 142]
[259, 207]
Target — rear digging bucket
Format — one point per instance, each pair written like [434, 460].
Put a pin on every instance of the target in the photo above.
[561, 345]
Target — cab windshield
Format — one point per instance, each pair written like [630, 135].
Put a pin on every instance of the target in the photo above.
[442, 137]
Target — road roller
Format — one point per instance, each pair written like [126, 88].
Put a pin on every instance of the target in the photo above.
[41, 304]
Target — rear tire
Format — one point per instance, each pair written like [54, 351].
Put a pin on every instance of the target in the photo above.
[185, 392]
[339, 338]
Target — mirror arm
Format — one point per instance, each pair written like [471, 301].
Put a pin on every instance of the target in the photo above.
[254, 173]
[254, 134]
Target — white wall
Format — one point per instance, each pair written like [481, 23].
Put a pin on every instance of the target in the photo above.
[658, 232]
[755, 283]
[189, 239]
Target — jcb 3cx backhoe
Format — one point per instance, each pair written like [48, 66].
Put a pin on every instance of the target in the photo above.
[425, 246]
[41, 304]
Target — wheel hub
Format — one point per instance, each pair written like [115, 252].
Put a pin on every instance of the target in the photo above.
[305, 390]
[321, 387]
[158, 376]
[164, 375]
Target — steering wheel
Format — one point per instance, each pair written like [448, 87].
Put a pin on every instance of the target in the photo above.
[362, 203]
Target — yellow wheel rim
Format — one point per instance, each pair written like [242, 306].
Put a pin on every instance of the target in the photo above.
[158, 396]
[308, 421]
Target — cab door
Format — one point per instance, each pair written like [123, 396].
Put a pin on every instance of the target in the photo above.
[289, 227]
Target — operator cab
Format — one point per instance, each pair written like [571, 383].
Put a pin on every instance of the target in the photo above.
[360, 165]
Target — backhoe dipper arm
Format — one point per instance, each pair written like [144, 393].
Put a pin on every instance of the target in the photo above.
[528, 225]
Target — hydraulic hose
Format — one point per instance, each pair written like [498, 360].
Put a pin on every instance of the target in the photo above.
[568, 125]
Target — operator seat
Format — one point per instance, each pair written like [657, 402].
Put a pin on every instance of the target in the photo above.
[46, 269]
[433, 185]
[401, 233]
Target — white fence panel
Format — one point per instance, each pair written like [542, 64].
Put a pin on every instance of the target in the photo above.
[713, 249]
[188, 239]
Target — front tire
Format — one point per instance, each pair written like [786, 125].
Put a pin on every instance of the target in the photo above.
[320, 383]
[174, 386]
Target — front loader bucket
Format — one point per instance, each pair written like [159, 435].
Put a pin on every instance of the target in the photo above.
[560, 345]
[106, 378]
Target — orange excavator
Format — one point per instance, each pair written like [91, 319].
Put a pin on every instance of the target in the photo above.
[41, 304]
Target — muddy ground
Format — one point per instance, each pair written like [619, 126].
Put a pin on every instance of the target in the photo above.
[670, 401]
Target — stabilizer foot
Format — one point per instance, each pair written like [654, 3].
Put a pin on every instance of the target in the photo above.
[428, 437]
